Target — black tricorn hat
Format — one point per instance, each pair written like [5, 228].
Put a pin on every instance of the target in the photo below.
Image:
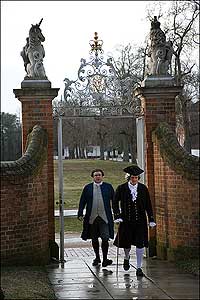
[133, 170]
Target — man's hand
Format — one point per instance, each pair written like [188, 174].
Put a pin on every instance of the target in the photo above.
[118, 221]
[80, 218]
[152, 224]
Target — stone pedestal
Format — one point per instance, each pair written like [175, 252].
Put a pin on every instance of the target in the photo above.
[28, 83]
[157, 97]
[36, 97]
[156, 81]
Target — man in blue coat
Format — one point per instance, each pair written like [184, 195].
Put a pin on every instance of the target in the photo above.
[98, 222]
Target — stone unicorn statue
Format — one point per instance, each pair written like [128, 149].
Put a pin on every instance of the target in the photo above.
[160, 50]
[33, 54]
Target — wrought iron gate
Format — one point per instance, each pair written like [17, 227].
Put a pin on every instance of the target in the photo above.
[99, 94]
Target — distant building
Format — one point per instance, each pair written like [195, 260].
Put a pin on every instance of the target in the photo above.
[93, 151]
[90, 152]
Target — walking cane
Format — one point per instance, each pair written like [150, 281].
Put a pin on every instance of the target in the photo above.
[117, 249]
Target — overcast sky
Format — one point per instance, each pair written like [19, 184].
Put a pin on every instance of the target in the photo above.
[68, 26]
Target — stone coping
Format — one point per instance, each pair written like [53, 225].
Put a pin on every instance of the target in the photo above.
[178, 158]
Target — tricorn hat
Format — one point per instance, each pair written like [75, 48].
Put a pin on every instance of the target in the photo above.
[133, 170]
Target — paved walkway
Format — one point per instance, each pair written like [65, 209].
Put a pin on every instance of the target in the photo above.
[78, 279]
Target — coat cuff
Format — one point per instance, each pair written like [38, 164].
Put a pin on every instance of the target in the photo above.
[117, 216]
[151, 219]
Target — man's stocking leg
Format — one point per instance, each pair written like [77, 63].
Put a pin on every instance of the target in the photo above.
[139, 256]
[127, 253]
[95, 245]
[104, 247]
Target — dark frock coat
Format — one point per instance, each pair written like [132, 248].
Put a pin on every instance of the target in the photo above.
[133, 230]
[86, 201]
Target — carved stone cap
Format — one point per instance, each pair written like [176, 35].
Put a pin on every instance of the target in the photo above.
[158, 92]
[40, 91]
[36, 83]
[158, 81]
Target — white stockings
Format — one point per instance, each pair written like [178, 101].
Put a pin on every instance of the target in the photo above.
[139, 255]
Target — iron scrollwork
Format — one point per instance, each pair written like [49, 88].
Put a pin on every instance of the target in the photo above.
[97, 83]
[98, 91]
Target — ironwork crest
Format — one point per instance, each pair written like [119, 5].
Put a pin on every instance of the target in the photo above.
[97, 91]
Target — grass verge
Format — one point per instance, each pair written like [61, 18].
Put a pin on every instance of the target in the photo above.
[71, 225]
[190, 266]
[26, 282]
[187, 259]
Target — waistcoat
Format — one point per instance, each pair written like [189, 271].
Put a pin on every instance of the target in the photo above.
[98, 205]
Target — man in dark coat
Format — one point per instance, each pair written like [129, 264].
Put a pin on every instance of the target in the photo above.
[130, 206]
[98, 220]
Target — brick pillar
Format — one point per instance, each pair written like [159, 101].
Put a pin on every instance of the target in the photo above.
[36, 97]
[158, 104]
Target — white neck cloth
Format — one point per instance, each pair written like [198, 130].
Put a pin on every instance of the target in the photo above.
[133, 189]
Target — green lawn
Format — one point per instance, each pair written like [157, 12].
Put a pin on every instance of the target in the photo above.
[73, 225]
[26, 282]
[77, 174]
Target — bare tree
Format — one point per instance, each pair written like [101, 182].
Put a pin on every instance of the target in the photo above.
[180, 22]
[11, 136]
[130, 64]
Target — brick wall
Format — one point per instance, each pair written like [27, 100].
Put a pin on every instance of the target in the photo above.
[158, 105]
[37, 109]
[176, 175]
[24, 204]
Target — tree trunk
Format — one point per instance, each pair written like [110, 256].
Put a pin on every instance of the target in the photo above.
[101, 149]
[71, 153]
[76, 152]
[82, 153]
[108, 155]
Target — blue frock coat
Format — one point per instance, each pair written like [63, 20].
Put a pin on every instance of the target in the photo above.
[86, 201]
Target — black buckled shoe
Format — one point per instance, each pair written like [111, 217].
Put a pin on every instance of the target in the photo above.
[126, 264]
[107, 262]
[139, 272]
[96, 261]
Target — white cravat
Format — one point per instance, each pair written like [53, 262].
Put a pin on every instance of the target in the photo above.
[133, 189]
[98, 184]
